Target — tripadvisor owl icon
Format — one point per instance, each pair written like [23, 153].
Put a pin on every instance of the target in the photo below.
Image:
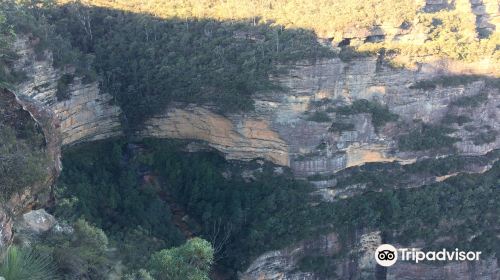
[386, 255]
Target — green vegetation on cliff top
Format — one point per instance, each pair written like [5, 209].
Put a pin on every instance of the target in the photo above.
[323, 16]
[146, 63]
[447, 33]
[148, 54]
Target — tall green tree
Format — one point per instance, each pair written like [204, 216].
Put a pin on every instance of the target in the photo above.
[5, 31]
[191, 261]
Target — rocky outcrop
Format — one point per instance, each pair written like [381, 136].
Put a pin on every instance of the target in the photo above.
[314, 149]
[311, 148]
[359, 263]
[341, 185]
[24, 111]
[281, 129]
[329, 84]
[37, 221]
[237, 137]
[487, 14]
[282, 264]
[84, 113]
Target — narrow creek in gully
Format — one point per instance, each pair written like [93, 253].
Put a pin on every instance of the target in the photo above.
[180, 218]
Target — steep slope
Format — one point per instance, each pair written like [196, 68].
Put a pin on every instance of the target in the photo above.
[30, 152]
[281, 129]
[85, 115]
[328, 119]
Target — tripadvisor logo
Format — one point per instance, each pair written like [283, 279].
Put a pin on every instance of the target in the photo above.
[387, 255]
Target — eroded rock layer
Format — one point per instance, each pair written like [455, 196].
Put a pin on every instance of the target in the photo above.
[85, 113]
[238, 138]
[22, 112]
[295, 127]
[282, 264]
[282, 129]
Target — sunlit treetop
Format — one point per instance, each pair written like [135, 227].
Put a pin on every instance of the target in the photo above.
[322, 16]
[449, 33]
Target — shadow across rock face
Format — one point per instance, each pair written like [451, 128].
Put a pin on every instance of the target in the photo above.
[5, 229]
[29, 159]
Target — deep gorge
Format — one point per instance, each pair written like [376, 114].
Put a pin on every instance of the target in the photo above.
[294, 152]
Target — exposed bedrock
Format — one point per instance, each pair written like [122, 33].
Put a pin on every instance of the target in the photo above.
[242, 138]
[84, 113]
[22, 112]
[282, 264]
[282, 128]
[293, 128]
[359, 263]
[332, 83]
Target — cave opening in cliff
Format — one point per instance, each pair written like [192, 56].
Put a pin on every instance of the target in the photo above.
[345, 42]
[374, 38]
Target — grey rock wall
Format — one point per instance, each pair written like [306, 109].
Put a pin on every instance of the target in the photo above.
[86, 115]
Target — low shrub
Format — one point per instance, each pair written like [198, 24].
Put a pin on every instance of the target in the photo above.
[427, 137]
[339, 127]
[485, 137]
[471, 101]
[62, 92]
[319, 117]
[380, 113]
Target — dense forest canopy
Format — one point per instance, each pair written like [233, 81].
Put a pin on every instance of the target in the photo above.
[324, 16]
[147, 62]
[28, 20]
[451, 31]
[268, 212]
[151, 54]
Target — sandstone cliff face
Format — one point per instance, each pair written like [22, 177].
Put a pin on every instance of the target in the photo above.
[280, 130]
[38, 192]
[282, 264]
[341, 83]
[485, 12]
[86, 115]
[332, 83]
[237, 137]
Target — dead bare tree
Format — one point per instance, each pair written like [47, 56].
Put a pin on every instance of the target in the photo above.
[219, 237]
[83, 16]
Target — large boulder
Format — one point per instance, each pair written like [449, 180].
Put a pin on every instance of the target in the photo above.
[38, 221]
